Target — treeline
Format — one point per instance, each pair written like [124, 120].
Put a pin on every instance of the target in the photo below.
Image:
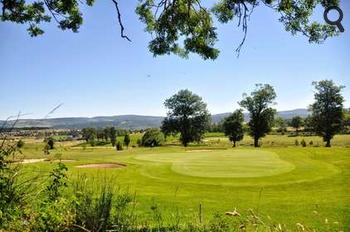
[297, 125]
[106, 135]
[188, 115]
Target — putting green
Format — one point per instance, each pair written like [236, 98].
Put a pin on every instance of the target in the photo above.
[224, 164]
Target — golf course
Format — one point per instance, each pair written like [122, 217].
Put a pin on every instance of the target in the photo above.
[284, 184]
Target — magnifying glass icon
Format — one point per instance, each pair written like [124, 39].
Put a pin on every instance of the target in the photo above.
[336, 22]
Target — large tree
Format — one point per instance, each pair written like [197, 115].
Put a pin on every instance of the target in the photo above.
[233, 126]
[327, 110]
[261, 114]
[113, 135]
[89, 134]
[178, 26]
[296, 123]
[187, 115]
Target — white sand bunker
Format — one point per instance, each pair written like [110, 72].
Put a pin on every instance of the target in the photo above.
[106, 165]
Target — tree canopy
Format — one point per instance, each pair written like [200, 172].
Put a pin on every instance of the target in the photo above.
[152, 138]
[327, 110]
[178, 26]
[233, 127]
[296, 123]
[260, 112]
[187, 115]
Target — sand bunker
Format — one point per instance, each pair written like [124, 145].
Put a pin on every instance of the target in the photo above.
[108, 165]
[30, 161]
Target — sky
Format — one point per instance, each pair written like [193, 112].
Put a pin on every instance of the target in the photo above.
[95, 72]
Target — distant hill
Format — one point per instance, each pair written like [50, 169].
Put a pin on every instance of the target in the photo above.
[125, 121]
[283, 114]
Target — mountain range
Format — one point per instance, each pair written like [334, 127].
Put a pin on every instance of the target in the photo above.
[126, 121]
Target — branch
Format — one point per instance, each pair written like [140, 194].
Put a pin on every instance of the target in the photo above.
[120, 22]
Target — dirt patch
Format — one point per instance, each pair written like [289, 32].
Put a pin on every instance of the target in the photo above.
[30, 161]
[108, 165]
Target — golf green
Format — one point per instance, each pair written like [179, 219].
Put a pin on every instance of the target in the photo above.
[224, 164]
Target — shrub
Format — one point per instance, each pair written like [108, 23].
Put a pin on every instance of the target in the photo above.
[119, 146]
[311, 143]
[127, 140]
[152, 138]
[303, 143]
[296, 142]
[20, 143]
[50, 143]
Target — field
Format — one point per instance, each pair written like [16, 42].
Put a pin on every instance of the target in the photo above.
[284, 183]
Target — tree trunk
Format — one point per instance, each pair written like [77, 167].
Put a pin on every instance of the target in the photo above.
[328, 143]
[234, 143]
[256, 142]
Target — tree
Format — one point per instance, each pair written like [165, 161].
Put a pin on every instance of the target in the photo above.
[20, 143]
[260, 112]
[296, 123]
[119, 146]
[51, 143]
[233, 126]
[113, 135]
[187, 115]
[127, 140]
[281, 125]
[346, 121]
[327, 110]
[106, 133]
[152, 138]
[179, 27]
[89, 134]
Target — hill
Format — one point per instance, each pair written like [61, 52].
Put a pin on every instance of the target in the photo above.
[125, 121]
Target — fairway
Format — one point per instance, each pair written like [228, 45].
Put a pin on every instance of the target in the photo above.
[288, 184]
[226, 164]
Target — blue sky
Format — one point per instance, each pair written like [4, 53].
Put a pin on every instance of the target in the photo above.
[95, 72]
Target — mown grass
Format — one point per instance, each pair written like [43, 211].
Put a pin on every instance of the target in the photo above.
[314, 192]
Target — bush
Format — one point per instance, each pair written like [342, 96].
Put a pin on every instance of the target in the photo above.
[50, 143]
[127, 140]
[311, 143]
[20, 143]
[119, 146]
[303, 143]
[139, 142]
[296, 142]
[152, 138]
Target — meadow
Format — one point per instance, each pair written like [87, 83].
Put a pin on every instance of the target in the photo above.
[282, 182]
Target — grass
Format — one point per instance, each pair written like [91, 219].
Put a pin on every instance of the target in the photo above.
[281, 181]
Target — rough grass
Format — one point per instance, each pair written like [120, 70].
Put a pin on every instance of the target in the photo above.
[286, 183]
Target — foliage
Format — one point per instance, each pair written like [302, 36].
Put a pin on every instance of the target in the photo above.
[260, 112]
[119, 146]
[126, 140]
[89, 134]
[297, 122]
[172, 22]
[187, 115]
[233, 126]
[20, 143]
[152, 138]
[11, 194]
[327, 110]
[303, 143]
[50, 143]
[92, 213]
[113, 135]
[281, 125]
[58, 179]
